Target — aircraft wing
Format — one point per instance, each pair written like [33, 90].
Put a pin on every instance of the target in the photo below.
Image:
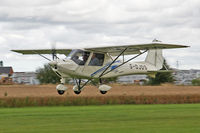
[44, 51]
[134, 49]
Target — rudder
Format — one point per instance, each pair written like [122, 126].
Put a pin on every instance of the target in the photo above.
[155, 57]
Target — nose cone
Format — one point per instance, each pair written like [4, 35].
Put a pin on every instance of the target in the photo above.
[53, 63]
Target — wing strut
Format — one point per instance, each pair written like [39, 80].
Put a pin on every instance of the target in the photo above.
[78, 83]
[112, 62]
[104, 72]
[42, 56]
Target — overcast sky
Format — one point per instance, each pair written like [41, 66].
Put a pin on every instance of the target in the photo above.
[38, 24]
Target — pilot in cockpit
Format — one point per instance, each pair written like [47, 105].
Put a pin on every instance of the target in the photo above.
[94, 61]
[76, 59]
[81, 58]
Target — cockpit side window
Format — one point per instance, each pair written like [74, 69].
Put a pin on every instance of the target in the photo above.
[97, 59]
[80, 57]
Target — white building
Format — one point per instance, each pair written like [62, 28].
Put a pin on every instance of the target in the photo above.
[25, 78]
[198, 74]
[182, 77]
[185, 77]
[131, 79]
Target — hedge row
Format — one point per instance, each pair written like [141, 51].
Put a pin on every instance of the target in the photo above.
[71, 101]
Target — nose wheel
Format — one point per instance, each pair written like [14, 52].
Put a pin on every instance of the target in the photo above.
[61, 89]
[103, 92]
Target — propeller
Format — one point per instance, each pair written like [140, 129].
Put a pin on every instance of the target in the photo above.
[54, 54]
[54, 62]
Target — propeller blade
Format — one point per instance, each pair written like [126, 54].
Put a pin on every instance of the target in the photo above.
[54, 55]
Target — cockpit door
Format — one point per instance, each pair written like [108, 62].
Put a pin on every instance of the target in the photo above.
[95, 62]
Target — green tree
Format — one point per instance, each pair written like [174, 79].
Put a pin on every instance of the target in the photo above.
[162, 77]
[46, 75]
[196, 82]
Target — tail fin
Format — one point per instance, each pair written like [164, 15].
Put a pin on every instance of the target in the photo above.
[155, 57]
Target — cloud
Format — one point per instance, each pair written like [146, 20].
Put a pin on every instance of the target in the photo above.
[76, 23]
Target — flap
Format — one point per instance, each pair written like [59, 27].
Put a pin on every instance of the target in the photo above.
[134, 49]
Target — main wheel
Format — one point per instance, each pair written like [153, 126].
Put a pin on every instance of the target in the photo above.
[77, 92]
[61, 92]
[103, 92]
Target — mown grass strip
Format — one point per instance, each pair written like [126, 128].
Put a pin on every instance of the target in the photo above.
[179, 118]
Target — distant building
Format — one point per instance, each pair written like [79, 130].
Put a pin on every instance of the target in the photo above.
[6, 71]
[1, 63]
[185, 77]
[182, 77]
[5, 75]
[198, 74]
[132, 79]
[29, 78]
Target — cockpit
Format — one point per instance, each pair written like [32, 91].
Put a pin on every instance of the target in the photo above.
[80, 57]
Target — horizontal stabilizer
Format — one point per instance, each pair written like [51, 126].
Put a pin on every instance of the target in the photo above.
[152, 74]
[162, 71]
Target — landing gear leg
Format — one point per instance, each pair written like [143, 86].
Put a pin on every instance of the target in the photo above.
[77, 88]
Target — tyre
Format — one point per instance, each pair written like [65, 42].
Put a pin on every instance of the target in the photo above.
[77, 92]
[61, 92]
[103, 92]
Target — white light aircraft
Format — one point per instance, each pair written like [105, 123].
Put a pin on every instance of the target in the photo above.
[103, 62]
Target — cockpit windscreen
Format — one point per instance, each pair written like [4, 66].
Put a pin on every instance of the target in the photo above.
[79, 56]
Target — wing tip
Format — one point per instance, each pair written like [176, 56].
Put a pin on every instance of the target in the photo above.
[13, 50]
[184, 46]
[172, 45]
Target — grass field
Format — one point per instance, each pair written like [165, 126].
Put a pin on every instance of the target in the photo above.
[174, 118]
[46, 95]
[117, 90]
